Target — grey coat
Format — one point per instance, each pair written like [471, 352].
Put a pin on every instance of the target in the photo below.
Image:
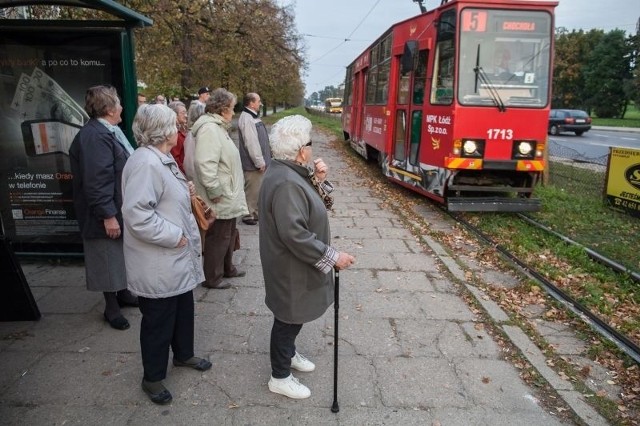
[297, 260]
[157, 212]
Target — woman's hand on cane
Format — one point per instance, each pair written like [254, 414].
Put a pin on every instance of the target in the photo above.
[345, 260]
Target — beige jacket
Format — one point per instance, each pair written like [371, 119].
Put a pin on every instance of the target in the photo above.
[218, 168]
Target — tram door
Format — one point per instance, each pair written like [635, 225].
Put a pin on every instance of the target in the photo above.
[408, 120]
[357, 104]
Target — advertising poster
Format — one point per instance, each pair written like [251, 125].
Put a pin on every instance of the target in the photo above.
[44, 75]
[623, 180]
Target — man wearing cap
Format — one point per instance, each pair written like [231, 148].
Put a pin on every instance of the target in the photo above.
[204, 93]
[255, 152]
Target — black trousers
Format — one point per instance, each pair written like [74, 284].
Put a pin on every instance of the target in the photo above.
[166, 322]
[283, 347]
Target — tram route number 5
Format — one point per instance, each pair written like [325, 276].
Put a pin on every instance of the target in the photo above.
[474, 21]
[500, 134]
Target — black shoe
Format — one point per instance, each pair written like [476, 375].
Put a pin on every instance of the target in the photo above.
[249, 221]
[236, 274]
[157, 392]
[128, 300]
[119, 323]
[194, 362]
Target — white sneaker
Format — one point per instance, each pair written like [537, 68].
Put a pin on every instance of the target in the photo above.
[300, 363]
[290, 387]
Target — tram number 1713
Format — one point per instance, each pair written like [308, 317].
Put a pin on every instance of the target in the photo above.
[500, 134]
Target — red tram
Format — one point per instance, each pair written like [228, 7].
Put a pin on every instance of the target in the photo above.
[454, 103]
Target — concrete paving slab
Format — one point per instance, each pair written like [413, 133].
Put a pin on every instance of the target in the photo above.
[419, 383]
[56, 414]
[411, 351]
[67, 300]
[495, 383]
[98, 378]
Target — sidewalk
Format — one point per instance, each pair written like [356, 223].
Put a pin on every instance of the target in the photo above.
[412, 352]
[617, 129]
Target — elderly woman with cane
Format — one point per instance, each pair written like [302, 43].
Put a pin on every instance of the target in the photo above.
[162, 249]
[297, 258]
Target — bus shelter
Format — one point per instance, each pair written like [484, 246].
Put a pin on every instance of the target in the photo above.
[46, 66]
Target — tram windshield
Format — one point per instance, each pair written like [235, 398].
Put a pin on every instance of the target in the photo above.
[504, 58]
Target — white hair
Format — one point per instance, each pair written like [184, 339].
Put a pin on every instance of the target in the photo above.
[288, 135]
[153, 124]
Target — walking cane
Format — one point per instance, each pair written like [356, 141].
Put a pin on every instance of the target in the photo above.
[335, 407]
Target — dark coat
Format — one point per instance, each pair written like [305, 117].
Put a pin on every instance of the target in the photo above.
[294, 237]
[97, 161]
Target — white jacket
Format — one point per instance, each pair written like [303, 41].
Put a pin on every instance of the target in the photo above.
[156, 212]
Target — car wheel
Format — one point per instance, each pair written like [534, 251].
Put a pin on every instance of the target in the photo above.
[579, 133]
[553, 130]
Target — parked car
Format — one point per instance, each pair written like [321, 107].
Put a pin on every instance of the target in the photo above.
[569, 120]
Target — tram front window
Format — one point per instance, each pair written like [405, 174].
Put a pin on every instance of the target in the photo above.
[504, 58]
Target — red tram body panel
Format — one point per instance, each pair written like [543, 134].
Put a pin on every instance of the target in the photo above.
[454, 103]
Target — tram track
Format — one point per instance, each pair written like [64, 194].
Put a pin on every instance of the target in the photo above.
[600, 326]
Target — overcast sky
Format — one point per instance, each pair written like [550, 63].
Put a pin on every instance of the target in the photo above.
[326, 23]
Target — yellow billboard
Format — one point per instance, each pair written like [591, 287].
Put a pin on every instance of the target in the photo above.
[623, 180]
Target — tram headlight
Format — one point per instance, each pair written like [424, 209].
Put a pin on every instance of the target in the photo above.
[523, 149]
[469, 147]
[472, 148]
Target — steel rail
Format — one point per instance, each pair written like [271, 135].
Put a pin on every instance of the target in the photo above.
[591, 253]
[621, 341]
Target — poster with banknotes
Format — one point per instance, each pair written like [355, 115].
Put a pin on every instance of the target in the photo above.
[43, 79]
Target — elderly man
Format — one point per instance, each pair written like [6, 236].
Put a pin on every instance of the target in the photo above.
[255, 152]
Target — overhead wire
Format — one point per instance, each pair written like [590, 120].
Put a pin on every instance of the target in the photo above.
[348, 38]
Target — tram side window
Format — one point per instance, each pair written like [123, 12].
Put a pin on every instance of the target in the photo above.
[442, 83]
[420, 78]
[399, 136]
[416, 122]
[348, 85]
[382, 88]
[371, 85]
[442, 87]
[403, 89]
[378, 83]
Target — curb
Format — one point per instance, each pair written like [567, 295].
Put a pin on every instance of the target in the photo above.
[518, 338]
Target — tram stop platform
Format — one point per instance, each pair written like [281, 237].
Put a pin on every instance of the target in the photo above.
[411, 350]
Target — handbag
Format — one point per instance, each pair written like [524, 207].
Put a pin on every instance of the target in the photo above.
[202, 212]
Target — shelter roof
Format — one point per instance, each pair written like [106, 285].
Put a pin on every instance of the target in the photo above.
[129, 16]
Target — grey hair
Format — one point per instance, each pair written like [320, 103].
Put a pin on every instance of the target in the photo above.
[175, 105]
[154, 124]
[288, 135]
[220, 100]
[196, 109]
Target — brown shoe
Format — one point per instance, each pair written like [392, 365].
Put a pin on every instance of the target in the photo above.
[220, 286]
[237, 273]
